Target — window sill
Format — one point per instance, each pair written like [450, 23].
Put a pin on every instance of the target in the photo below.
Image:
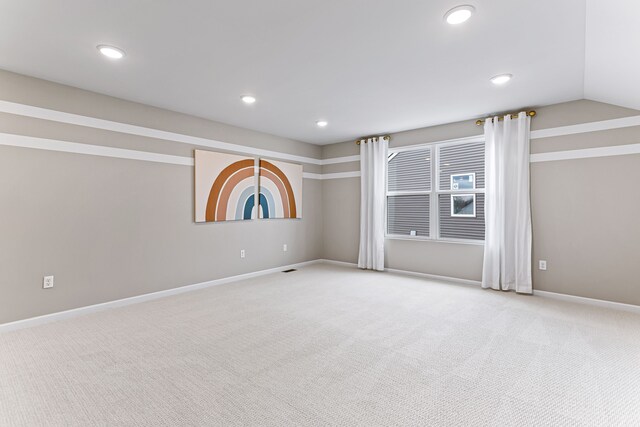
[428, 239]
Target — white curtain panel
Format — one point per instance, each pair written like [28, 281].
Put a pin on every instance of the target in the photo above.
[373, 172]
[507, 247]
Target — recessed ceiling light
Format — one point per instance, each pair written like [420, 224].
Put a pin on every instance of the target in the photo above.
[501, 79]
[111, 51]
[248, 99]
[459, 14]
[322, 123]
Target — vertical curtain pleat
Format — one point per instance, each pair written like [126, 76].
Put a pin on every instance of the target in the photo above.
[507, 252]
[373, 169]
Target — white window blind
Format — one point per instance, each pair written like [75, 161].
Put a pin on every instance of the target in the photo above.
[408, 213]
[437, 192]
[408, 188]
[461, 159]
[456, 160]
[461, 228]
[410, 171]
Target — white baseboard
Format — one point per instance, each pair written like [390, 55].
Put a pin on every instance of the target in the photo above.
[409, 273]
[341, 263]
[544, 294]
[434, 277]
[47, 318]
[589, 301]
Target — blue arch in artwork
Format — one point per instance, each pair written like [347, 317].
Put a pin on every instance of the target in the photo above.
[266, 203]
[248, 207]
[246, 203]
[242, 203]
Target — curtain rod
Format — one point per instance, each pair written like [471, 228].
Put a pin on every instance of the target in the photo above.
[531, 113]
[385, 137]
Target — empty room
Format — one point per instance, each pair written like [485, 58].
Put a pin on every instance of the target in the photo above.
[319, 213]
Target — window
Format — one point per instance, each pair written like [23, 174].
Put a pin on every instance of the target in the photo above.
[409, 193]
[452, 208]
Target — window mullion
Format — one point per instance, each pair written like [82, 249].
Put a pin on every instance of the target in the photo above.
[435, 184]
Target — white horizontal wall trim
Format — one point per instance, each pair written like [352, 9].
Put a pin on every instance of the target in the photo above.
[122, 153]
[311, 175]
[98, 150]
[345, 159]
[92, 150]
[536, 134]
[587, 127]
[103, 151]
[616, 150]
[338, 175]
[586, 153]
[92, 122]
[48, 318]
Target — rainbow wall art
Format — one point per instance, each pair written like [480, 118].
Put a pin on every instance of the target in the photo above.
[225, 187]
[280, 193]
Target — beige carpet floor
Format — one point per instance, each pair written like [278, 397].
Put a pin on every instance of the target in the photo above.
[328, 345]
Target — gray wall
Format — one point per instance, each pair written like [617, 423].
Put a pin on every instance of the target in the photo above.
[111, 228]
[589, 239]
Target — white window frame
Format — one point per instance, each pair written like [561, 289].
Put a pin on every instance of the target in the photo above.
[434, 192]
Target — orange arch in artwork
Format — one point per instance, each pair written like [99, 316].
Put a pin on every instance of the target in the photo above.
[281, 189]
[281, 181]
[222, 187]
[223, 201]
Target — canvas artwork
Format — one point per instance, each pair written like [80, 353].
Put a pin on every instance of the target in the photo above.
[280, 193]
[225, 187]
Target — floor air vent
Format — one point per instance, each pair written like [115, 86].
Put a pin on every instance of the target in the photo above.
[289, 270]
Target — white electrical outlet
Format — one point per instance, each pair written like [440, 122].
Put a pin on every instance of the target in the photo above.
[542, 264]
[47, 282]
[241, 253]
[284, 247]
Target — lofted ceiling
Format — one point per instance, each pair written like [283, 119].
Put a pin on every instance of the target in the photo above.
[612, 59]
[366, 67]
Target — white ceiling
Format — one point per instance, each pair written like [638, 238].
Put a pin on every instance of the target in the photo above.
[365, 66]
[612, 66]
